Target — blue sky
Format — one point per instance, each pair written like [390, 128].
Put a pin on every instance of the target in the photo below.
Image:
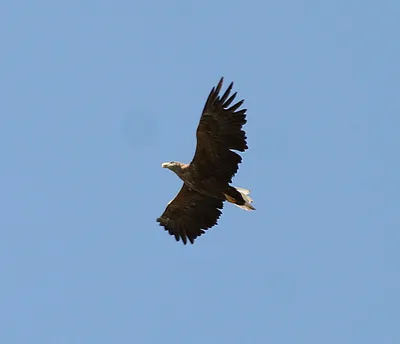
[97, 94]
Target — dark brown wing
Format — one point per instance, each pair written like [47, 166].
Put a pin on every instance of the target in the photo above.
[219, 131]
[189, 214]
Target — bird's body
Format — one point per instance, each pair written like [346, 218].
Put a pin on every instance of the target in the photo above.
[207, 178]
[206, 186]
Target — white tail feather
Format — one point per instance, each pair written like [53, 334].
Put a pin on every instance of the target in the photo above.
[245, 194]
[242, 191]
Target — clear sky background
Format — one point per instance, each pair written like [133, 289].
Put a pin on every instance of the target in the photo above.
[95, 95]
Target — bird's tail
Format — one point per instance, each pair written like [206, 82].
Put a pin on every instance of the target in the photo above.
[244, 193]
[247, 199]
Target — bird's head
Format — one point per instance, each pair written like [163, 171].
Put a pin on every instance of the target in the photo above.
[173, 166]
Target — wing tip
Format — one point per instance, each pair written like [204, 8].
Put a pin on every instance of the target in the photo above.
[184, 237]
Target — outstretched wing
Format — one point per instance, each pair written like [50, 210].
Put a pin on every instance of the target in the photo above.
[220, 131]
[189, 214]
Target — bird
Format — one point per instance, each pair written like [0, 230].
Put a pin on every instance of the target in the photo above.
[207, 178]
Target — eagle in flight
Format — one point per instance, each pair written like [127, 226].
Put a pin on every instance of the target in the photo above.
[206, 180]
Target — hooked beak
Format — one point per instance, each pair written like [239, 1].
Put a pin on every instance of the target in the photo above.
[164, 165]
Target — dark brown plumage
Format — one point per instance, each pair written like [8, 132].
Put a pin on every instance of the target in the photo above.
[198, 205]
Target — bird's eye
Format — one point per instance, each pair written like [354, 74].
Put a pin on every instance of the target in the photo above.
[172, 162]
